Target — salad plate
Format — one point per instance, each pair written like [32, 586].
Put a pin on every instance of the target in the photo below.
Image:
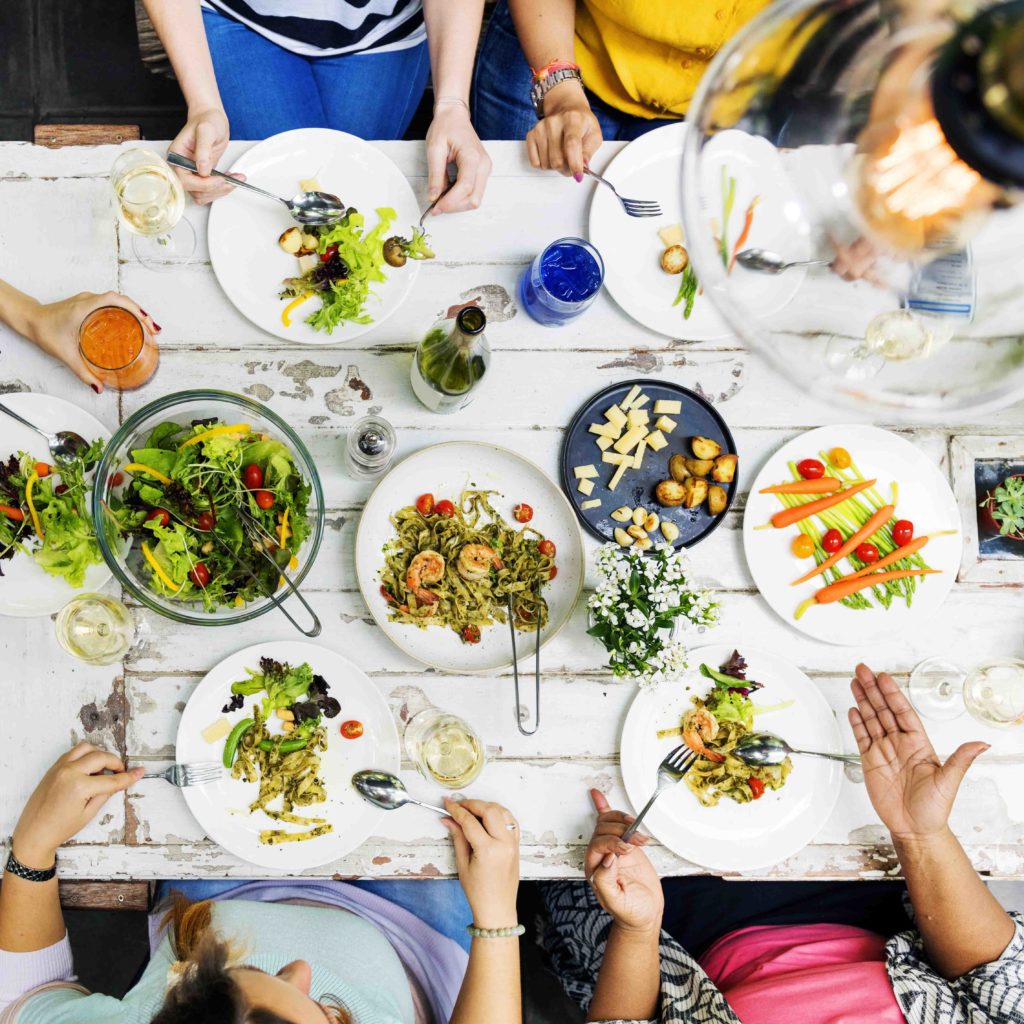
[736, 836]
[25, 589]
[924, 498]
[651, 168]
[244, 229]
[445, 471]
[222, 808]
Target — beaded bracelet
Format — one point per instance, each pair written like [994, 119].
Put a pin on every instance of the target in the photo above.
[495, 933]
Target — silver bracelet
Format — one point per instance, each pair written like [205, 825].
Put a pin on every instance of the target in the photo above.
[450, 99]
[496, 933]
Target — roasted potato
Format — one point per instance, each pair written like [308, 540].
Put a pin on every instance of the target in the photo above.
[699, 467]
[623, 515]
[705, 448]
[677, 468]
[636, 531]
[310, 244]
[670, 531]
[652, 522]
[643, 544]
[291, 241]
[717, 499]
[674, 259]
[669, 493]
[725, 469]
[695, 491]
[622, 538]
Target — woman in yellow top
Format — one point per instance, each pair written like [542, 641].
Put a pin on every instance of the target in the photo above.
[582, 71]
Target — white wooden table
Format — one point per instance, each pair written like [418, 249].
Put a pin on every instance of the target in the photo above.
[59, 234]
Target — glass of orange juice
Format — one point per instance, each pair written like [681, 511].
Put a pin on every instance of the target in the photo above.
[117, 347]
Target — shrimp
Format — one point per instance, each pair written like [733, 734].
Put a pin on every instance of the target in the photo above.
[476, 561]
[426, 567]
[701, 727]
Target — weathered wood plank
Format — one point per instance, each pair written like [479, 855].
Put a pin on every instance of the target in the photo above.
[85, 895]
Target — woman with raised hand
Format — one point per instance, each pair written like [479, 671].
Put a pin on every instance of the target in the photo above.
[290, 951]
[249, 69]
[631, 948]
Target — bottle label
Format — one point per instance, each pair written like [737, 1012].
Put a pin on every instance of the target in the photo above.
[944, 287]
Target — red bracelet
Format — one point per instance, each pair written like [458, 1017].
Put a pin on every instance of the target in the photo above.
[539, 74]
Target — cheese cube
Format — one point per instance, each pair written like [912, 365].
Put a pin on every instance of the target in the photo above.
[216, 730]
[583, 472]
[638, 459]
[637, 418]
[630, 439]
[664, 405]
[615, 416]
[605, 430]
[672, 235]
[630, 398]
[665, 424]
[617, 475]
[604, 443]
[639, 403]
[656, 440]
[615, 460]
[585, 487]
[310, 185]
[593, 503]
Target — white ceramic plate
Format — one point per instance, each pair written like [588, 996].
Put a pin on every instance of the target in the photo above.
[445, 470]
[651, 168]
[221, 808]
[244, 228]
[732, 836]
[25, 590]
[924, 498]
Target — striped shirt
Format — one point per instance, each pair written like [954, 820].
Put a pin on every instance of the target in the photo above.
[325, 28]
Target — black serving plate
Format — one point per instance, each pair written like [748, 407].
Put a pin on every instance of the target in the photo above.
[698, 417]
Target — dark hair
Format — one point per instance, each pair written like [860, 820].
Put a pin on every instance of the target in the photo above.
[206, 992]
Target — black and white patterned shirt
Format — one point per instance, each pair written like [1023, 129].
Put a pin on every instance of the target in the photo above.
[324, 28]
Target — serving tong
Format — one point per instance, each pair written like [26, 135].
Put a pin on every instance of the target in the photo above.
[515, 672]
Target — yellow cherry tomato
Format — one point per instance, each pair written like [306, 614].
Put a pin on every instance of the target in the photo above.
[840, 458]
[803, 546]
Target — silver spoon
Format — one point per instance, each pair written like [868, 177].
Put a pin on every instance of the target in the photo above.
[305, 207]
[765, 748]
[768, 262]
[388, 791]
[65, 445]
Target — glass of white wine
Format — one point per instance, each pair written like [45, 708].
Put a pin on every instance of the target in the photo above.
[151, 202]
[992, 692]
[444, 748]
[96, 628]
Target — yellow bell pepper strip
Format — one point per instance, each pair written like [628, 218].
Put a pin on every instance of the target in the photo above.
[226, 428]
[164, 578]
[282, 530]
[138, 467]
[286, 312]
[29, 484]
[294, 563]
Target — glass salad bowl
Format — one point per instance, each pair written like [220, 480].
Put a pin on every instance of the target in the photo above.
[161, 559]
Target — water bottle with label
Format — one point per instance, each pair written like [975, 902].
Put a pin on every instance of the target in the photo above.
[449, 365]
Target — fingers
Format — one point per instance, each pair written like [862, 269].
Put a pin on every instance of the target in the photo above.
[906, 717]
[875, 696]
[860, 732]
[437, 168]
[605, 879]
[592, 139]
[77, 751]
[103, 786]
[494, 816]
[205, 140]
[600, 801]
[474, 167]
[96, 761]
[572, 147]
[962, 758]
[867, 712]
[473, 830]
[602, 846]
[460, 842]
[117, 299]
[532, 151]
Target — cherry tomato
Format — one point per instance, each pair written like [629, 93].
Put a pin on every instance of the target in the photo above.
[547, 548]
[802, 546]
[811, 469]
[265, 499]
[840, 458]
[756, 788]
[116, 480]
[199, 574]
[902, 532]
[471, 635]
[445, 508]
[832, 541]
[554, 572]
[159, 515]
[425, 504]
[351, 729]
[60, 488]
[329, 253]
[205, 521]
[867, 553]
[42, 469]
[522, 513]
[252, 476]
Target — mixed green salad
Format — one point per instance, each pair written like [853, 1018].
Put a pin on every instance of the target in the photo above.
[339, 263]
[186, 496]
[44, 513]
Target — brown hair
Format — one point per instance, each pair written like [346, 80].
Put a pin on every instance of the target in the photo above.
[206, 992]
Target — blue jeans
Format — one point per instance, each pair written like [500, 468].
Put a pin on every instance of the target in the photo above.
[267, 89]
[438, 902]
[501, 91]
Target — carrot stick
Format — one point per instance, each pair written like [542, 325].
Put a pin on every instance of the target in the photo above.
[789, 516]
[823, 485]
[12, 513]
[872, 526]
[744, 234]
[847, 585]
[907, 551]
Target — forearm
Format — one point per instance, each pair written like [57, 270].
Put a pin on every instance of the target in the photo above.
[629, 982]
[961, 922]
[30, 914]
[546, 29]
[491, 989]
[17, 310]
[453, 28]
[179, 23]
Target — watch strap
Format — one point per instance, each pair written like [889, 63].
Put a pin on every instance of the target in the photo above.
[545, 82]
[19, 870]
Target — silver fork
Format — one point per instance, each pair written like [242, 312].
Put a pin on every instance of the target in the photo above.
[197, 774]
[676, 764]
[634, 207]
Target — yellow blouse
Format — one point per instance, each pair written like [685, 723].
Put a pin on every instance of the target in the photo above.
[645, 57]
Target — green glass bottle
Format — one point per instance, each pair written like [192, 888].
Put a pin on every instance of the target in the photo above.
[449, 365]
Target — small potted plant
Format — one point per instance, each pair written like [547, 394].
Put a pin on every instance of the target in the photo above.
[1002, 511]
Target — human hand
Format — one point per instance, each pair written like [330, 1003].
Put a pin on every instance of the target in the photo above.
[203, 139]
[69, 796]
[861, 259]
[53, 327]
[911, 790]
[487, 855]
[452, 138]
[568, 135]
[624, 880]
